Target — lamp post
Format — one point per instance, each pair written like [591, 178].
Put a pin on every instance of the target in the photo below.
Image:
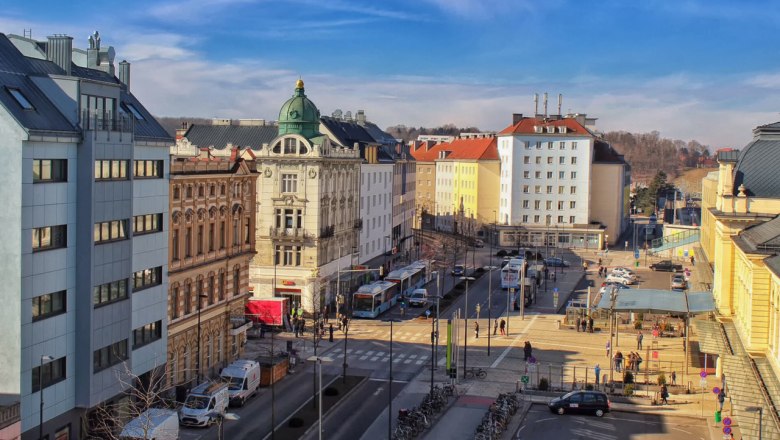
[344, 365]
[760, 411]
[390, 383]
[200, 306]
[44, 358]
[319, 360]
[613, 298]
[433, 336]
[606, 243]
[466, 325]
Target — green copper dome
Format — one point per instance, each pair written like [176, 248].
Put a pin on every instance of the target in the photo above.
[299, 115]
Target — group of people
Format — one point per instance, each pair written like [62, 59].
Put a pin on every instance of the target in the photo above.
[501, 325]
[602, 272]
[585, 323]
[631, 362]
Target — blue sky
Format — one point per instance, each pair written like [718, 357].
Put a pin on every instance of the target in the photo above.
[690, 69]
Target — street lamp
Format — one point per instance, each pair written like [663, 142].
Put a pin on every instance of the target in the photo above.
[200, 306]
[438, 297]
[466, 326]
[434, 334]
[319, 360]
[390, 383]
[44, 358]
[606, 243]
[221, 421]
[760, 411]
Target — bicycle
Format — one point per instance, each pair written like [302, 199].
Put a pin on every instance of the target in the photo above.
[476, 371]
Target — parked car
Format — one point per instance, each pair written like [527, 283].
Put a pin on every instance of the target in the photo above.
[678, 282]
[418, 298]
[616, 278]
[203, 403]
[458, 270]
[624, 273]
[608, 286]
[666, 266]
[556, 262]
[154, 423]
[243, 378]
[479, 243]
[581, 402]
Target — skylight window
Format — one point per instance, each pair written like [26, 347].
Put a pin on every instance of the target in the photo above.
[20, 99]
[138, 116]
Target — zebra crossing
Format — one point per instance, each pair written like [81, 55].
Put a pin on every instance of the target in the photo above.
[399, 336]
[381, 356]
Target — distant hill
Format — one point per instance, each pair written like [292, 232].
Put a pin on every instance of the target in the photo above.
[411, 133]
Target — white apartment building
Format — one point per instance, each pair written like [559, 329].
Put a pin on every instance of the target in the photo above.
[85, 191]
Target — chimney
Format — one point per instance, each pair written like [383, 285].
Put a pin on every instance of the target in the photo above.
[536, 104]
[360, 116]
[180, 132]
[124, 73]
[60, 51]
[545, 104]
[516, 117]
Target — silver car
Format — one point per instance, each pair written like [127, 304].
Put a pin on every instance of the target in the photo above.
[678, 283]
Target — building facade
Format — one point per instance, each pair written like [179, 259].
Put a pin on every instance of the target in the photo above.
[85, 167]
[425, 153]
[212, 241]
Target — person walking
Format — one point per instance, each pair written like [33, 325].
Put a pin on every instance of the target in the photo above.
[664, 395]
[693, 261]
[476, 330]
[590, 324]
[639, 337]
[584, 324]
[330, 337]
[577, 324]
[344, 323]
[597, 370]
[721, 398]
[674, 378]
[609, 348]
[502, 327]
[527, 350]
[495, 327]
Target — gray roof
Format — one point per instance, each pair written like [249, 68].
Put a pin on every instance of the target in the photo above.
[149, 128]
[218, 136]
[658, 301]
[773, 263]
[761, 238]
[348, 133]
[757, 169]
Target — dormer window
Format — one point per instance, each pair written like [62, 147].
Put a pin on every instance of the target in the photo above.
[550, 129]
[538, 128]
[561, 129]
[134, 111]
[20, 98]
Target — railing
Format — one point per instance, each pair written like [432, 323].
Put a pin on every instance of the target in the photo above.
[9, 415]
[327, 231]
[105, 121]
[674, 240]
[293, 233]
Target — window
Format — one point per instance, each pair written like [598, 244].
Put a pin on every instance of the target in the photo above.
[236, 236]
[289, 218]
[562, 145]
[189, 191]
[526, 174]
[549, 189]
[288, 255]
[110, 231]
[525, 189]
[562, 160]
[109, 292]
[147, 334]
[574, 160]
[221, 286]
[549, 145]
[561, 174]
[146, 278]
[236, 281]
[201, 191]
[560, 206]
[111, 170]
[210, 292]
[573, 190]
[572, 204]
[525, 203]
[211, 235]
[549, 174]
[549, 160]
[48, 305]
[525, 219]
[50, 170]
[213, 190]
[573, 145]
[536, 219]
[560, 219]
[20, 98]
[175, 245]
[188, 242]
[538, 174]
[561, 189]
[538, 160]
[247, 230]
[48, 374]
[222, 234]
[109, 355]
[571, 219]
[548, 205]
[537, 204]
[290, 145]
[147, 224]
[199, 241]
[148, 168]
[538, 189]
[49, 237]
[289, 183]
[526, 159]
[175, 302]
[573, 174]
[187, 298]
[538, 145]
[136, 114]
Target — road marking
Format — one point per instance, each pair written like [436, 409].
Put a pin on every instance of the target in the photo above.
[374, 359]
[362, 358]
[408, 361]
[419, 362]
[369, 353]
[412, 355]
[514, 341]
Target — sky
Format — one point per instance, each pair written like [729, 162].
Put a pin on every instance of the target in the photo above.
[707, 70]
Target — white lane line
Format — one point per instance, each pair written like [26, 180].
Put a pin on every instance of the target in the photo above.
[374, 359]
[514, 341]
[362, 358]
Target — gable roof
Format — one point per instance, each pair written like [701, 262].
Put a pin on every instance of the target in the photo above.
[473, 149]
[526, 126]
[218, 136]
[426, 153]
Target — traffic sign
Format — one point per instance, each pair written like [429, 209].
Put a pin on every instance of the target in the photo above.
[727, 421]
[716, 390]
[524, 379]
[636, 254]
[703, 374]
[727, 429]
[427, 313]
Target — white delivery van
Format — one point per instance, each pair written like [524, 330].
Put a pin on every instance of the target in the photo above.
[243, 379]
[203, 402]
[418, 298]
[152, 424]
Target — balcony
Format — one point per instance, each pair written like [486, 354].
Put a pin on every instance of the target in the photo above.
[288, 233]
[359, 224]
[105, 121]
[327, 231]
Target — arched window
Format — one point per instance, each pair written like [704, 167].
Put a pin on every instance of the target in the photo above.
[187, 298]
[175, 301]
[236, 280]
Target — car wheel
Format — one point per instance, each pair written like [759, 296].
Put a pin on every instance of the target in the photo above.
[561, 411]
[599, 413]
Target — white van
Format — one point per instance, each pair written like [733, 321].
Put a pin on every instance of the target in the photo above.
[243, 379]
[418, 298]
[152, 424]
[203, 402]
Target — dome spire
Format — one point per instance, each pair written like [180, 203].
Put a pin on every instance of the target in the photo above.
[299, 83]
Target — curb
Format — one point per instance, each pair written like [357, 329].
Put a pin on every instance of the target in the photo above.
[327, 413]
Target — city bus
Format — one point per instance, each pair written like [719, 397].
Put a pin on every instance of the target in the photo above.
[510, 274]
[371, 300]
[411, 277]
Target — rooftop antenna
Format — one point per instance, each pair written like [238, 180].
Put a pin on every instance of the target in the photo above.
[536, 104]
[545, 104]
[560, 102]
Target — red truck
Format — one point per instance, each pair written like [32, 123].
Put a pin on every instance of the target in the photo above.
[268, 311]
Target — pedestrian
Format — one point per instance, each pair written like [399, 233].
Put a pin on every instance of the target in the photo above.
[344, 323]
[476, 330]
[721, 398]
[639, 337]
[693, 262]
[674, 378]
[584, 324]
[599, 261]
[619, 361]
[502, 327]
[590, 324]
[578, 323]
[527, 350]
[597, 370]
[330, 337]
[609, 348]
[339, 320]
[637, 362]
[664, 395]
[495, 327]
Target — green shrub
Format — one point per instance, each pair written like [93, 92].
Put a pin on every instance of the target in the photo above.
[544, 384]
[628, 390]
[662, 379]
[628, 377]
[589, 387]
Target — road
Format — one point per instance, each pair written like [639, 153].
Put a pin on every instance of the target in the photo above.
[540, 423]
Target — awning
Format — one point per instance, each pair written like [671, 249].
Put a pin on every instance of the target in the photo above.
[711, 340]
[657, 301]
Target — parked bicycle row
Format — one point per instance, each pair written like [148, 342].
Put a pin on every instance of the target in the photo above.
[496, 419]
[411, 422]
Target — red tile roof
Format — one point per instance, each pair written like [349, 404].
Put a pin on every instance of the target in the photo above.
[526, 126]
[468, 149]
[426, 152]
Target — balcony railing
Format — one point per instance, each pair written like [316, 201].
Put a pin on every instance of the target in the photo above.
[105, 121]
[291, 233]
[327, 231]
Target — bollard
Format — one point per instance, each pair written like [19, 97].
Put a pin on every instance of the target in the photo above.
[558, 324]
